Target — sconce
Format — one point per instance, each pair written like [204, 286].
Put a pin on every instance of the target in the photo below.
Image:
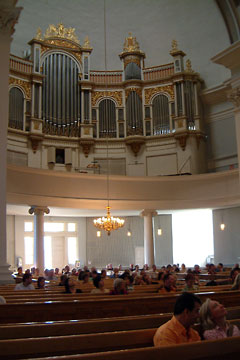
[98, 233]
[159, 231]
[222, 225]
[129, 233]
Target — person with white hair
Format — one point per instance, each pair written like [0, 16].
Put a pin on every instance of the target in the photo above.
[119, 287]
[214, 323]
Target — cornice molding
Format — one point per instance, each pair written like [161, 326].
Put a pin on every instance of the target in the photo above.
[9, 15]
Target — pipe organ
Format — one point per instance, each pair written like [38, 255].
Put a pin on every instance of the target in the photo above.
[55, 96]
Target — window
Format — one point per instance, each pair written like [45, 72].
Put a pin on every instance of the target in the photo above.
[191, 246]
[71, 227]
[72, 250]
[28, 246]
[28, 226]
[47, 252]
[53, 227]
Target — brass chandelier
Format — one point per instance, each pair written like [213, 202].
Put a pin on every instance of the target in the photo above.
[108, 222]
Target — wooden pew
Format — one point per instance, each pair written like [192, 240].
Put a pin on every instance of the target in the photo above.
[14, 331]
[90, 308]
[224, 349]
[77, 344]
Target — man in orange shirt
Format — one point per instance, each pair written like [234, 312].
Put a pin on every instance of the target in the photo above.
[178, 330]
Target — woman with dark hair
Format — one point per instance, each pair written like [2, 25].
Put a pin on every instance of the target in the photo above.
[70, 286]
[41, 282]
[99, 284]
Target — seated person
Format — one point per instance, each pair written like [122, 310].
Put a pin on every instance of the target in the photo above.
[2, 300]
[119, 287]
[99, 284]
[115, 274]
[213, 321]
[190, 283]
[26, 283]
[128, 281]
[178, 330]
[41, 282]
[63, 278]
[169, 284]
[85, 278]
[70, 286]
[236, 284]
[212, 281]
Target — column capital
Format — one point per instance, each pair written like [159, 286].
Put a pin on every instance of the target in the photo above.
[39, 210]
[234, 96]
[147, 212]
[9, 15]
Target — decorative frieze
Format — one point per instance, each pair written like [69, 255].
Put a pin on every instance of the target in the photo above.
[26, 86]
[149, 93]
[100, 95]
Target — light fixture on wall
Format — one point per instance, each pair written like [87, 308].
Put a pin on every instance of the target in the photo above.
[108, 222]
[129, 233]
[98, 233]
[222, 225]
[159, 231]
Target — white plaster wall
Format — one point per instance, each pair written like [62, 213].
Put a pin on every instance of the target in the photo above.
[197, 26]
[227, 242]
[163, 244]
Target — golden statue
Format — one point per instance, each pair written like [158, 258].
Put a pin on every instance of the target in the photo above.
[189, 66]
[86, 44]
[174, 45]
[131, 44]
[38, 35]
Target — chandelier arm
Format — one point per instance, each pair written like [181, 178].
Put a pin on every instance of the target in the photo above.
[109, 222]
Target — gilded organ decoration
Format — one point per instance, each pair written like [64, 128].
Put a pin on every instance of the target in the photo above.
[25, 85]
[59, 31]
[131, 44]
[86, 44]
[38, 35]
[61, 43]
[157, 90]
[137, 90]
[132, 59]
[100, 95]
[189, 66]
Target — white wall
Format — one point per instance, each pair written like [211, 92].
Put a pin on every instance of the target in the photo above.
[227, 242]
[155, 23]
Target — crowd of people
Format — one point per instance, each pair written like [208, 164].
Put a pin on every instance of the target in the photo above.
[166, 277]
[188, 308]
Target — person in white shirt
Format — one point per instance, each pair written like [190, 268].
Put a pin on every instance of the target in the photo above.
[26, 284]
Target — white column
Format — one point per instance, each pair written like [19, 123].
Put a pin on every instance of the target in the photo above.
[148, 236]
[8, 18]
[39, 212]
